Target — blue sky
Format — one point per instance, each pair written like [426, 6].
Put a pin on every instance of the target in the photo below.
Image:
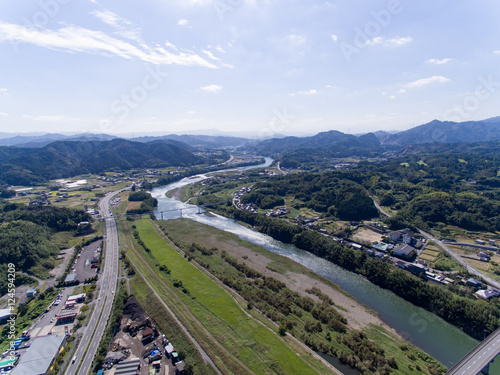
[259, 67]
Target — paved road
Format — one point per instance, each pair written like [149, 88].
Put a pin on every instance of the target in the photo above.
[472, 270]
[479, 357]
[106, 288]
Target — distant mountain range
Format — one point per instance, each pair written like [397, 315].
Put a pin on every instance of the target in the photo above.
[60, 159]
[446, 132]
[33, 141]
[331, 143]
[209, 141]
[33, 158]
[432, 132]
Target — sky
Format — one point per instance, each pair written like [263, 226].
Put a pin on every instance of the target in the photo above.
[251, 67]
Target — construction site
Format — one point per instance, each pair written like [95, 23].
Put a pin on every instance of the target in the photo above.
[139, 348]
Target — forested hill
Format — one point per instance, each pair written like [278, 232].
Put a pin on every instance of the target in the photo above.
[447, 132]
[332, 143]
[26, 237]
[62, 159]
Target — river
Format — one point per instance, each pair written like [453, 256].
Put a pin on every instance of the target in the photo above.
[438, 338]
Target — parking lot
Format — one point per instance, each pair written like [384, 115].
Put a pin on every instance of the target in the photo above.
[46, 323]
[83, 266]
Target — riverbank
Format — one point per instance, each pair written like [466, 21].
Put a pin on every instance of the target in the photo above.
[424, 329]
[305, 282]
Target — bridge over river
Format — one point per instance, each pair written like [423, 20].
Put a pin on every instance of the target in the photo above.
[478, 359]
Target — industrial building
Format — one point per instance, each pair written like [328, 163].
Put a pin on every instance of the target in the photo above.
[40, 356]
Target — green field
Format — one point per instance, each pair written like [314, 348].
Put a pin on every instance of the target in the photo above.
[184, 232]
[252, 343]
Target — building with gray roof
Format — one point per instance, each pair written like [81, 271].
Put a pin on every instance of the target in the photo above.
[40, 355]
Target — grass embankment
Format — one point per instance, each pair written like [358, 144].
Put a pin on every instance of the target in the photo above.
[168, 326]
[303, 323]
[233, 339]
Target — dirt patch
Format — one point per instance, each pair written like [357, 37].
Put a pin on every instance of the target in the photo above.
[66, 256]
[175, 194]
[367, 236]
[134, 310]
[133, 205]
[357, 315]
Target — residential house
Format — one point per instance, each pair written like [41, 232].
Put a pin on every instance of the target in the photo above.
[405, 251]
[473, 282]
[403, 235]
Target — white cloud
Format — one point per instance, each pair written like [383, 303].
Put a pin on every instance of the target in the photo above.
[211, 88]
[190, 3]
[111, 19]
[182, 22]
[427, 81]
[3, 114]
[392, 97]
[220, 49]
[77, 39]
[496, 52]
[395, 42]
[3, 89]
[121, 25]
[334, 37]
[307, 92]
[439, 62]
[210, 55]
[401, 91]
[399, 41]
[202, 3]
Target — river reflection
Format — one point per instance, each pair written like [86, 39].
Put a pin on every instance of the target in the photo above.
[440, 339]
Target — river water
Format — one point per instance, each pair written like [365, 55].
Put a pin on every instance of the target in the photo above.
[440, 339]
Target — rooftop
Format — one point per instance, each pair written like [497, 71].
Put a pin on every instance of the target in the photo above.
[71, 277]
[39, 356]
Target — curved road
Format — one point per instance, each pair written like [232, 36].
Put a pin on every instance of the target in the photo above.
[472, 270]
[106, 286]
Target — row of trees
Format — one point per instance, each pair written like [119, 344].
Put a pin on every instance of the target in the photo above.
[317, 323]
[471, 315]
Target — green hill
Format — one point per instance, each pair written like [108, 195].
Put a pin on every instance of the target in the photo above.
[62, 159]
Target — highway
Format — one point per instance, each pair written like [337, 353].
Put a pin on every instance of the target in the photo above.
[106, 286]
[479, 357]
